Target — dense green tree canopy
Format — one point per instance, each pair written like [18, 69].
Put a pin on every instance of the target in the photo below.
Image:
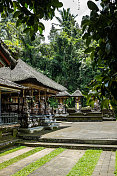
[62, 59]
[101, 27]
[29, 12]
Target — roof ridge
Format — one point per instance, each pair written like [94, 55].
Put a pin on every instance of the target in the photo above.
[37, 72]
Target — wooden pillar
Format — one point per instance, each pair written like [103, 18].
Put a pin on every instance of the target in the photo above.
[65, 105]
[0, 108]
[45, 102]
[39, 95]
[18, 102]
[32, 92]
[39, 103]
[23, 102]
[61, 102]
[31, 101]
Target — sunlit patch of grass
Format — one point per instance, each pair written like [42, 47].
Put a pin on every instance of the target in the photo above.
[22, 156]
[35, 165]
[85, 166]
[116, 165]
[11, 150]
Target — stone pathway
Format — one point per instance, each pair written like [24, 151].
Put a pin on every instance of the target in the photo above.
[14, 154]
[10, 170]
[105, 165]
[60, 165]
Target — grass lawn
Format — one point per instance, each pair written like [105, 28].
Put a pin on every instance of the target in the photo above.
[85, 166]
[11, 150]
[35, 165]
[22, 156]
[116, 165]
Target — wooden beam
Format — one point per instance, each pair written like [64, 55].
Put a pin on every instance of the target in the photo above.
[0, 107]
[1, 64]
[9, 89]
[39, 95]
[4, 58]
[33, 86]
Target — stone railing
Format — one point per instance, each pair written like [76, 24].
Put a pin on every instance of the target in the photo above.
[9, 118]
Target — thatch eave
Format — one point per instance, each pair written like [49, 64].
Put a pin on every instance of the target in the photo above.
[77, 93]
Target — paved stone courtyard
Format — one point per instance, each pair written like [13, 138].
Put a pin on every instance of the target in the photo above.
[85, 130]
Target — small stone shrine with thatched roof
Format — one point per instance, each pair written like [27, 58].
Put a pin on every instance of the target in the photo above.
[77, 95]
[62, 98]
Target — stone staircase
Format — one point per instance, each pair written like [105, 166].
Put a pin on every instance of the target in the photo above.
[80, 144]
[76, 135]
[85, 117]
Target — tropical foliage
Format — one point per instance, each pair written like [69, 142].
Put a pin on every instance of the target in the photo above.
[30, 13]
[62, 59]
[101, 26]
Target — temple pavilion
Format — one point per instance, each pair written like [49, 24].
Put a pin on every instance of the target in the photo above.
[7, 87]
[9, 122]
[62, 98]
[33, 100]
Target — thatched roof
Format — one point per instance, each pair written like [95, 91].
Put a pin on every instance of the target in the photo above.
[10, 84]
[77, 93]
[6, 58]
[63, 94]
[23, 71]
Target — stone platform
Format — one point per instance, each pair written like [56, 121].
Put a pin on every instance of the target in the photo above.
[77, 135]
[85, 117]
[85, 130]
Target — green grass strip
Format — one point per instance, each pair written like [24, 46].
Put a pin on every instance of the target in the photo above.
[22, 156]
[35, 165]
[11, 150]
[116, 165]
[85, 166]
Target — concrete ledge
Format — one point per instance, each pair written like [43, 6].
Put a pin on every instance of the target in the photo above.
[80, 141]
[30, 130]
[89, 114]
[109, 119]
[6, 144]
[70, 146]
[84, 119]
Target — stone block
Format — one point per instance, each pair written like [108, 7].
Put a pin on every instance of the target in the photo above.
[0, 134]
[15, 132]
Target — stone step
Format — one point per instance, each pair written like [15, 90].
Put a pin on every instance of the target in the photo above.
[69, 145]
[84, 119]
[30, 130]
[109, 119]
[8, 143]
[80, 141]
[71, 141]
